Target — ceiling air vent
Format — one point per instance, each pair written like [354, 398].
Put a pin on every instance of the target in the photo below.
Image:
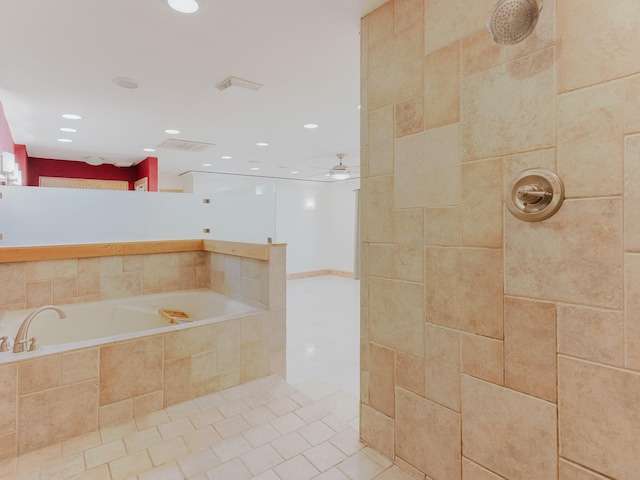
[184, 145]
[239, 87]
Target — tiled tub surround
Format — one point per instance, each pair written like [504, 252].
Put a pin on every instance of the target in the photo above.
[46, 399]
[494, 348]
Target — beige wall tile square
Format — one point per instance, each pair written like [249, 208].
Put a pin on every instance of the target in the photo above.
[133, 263]
[490, 414]
[50, 269]
[482, 200]
[364, 109]
[80, 365]
[592, 334]
[442, 226]
[130, 369]
[581, 258]
[514, 164]
[632, 105]
[473, 471]
[145, 404]
[364, 161]
[39, 293]
[111, 265]
[590, 140]
[115, 414]
[455, 301]
[396, 317]
[382, 379]
[449, 20]
[161, 272]
[177, 381]
[254, 360]
[395, 67]
[491, 128]
[598, 417]
[8, 397]
[409, 116]
[631, 194]
[483, 358]
[442, 86]
[530, 347]
[570, 471]
[434, 450]
[228, 346]
[380, 23]
[428, 168]
[381, 260]
[407, 12]
[364, 49]
[381, 135]
[410, 373]
[12, 282]
[409, 249]
[632, 310]
[39, 374]
[203, 365]
[57, 414]
[189, 341]
[479, 53]
[65, 288]
[595, 43]
[377, 430]
[8, 446]
[121, 285]
[442, 366]
[378, 218]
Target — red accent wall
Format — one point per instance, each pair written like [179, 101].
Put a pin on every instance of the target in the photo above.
[47, 167]
[21, 160]
[6, 140]
[148, 168]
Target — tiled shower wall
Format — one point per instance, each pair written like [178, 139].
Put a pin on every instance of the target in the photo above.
[48, 399]
[494, 348]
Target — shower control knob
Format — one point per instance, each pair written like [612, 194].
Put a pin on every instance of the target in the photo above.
[534, 195]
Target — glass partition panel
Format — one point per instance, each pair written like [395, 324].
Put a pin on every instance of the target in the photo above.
[58, 216]
[245, 214]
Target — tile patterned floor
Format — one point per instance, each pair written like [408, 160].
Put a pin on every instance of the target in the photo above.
[263, 430]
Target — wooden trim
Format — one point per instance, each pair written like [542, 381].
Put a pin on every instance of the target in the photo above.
[57, 252]
[246, 250]
[319, 273]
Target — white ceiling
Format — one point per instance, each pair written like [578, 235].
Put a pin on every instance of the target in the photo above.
[60, 56]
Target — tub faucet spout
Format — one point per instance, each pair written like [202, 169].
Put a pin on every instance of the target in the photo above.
[21, 337]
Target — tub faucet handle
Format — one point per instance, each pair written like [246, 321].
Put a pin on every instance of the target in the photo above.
[4, 346]
[33, 346]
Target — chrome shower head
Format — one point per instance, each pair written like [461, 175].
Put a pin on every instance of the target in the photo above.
[511, 21]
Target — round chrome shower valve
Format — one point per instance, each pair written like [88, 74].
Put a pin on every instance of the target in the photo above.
[534, 195]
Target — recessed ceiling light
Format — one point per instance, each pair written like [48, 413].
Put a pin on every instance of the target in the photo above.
[206, 164]
[262, 144]
[68, 130]
[148, 149]
[255, 168]
[226, 157]
[126, 82]
[294, 171]
[71, 116]
[171, 131]
[184, 6]
[310, 126]
[65, 140]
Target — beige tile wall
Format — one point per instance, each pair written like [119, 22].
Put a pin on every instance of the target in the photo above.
[52, 398]
[493, 348]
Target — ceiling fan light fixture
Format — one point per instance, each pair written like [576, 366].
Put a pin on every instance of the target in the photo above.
[340, 171]
[184, 6]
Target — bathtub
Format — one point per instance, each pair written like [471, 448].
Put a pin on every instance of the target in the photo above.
[106, 321]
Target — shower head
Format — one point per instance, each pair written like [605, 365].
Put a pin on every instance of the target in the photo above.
[511, 21]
